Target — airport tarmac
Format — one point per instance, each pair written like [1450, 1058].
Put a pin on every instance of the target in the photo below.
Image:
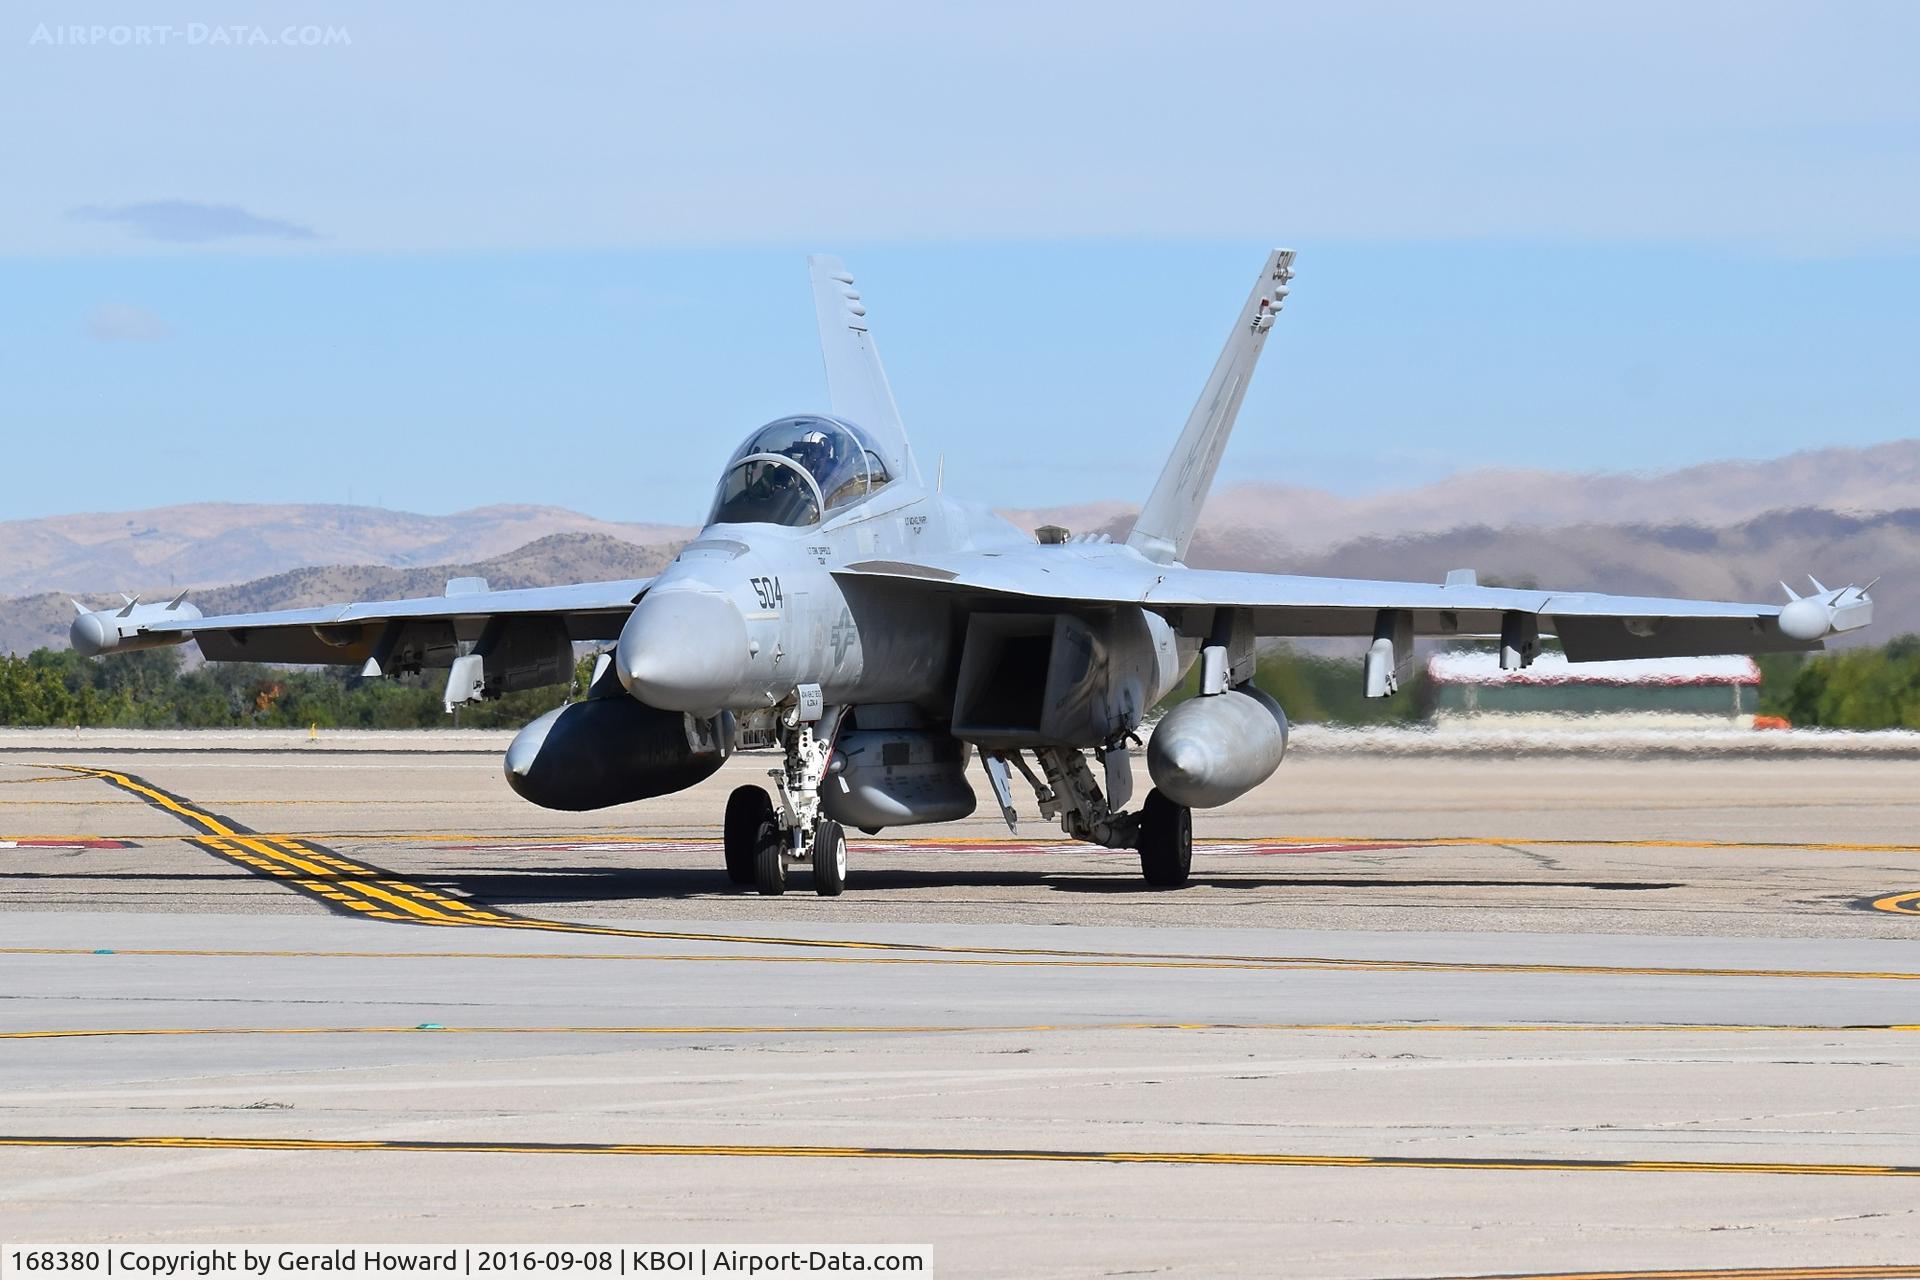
[1458, 1013]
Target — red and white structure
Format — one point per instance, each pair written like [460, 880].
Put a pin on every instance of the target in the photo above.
[1470, 690]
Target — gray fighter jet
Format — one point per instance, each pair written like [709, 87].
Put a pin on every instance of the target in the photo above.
[882, 633]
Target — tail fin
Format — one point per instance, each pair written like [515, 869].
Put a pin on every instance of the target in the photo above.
[1165, 526]
[856, 383]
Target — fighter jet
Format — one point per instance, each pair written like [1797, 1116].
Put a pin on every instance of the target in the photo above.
[883, 633]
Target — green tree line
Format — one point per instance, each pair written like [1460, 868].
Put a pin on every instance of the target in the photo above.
[1875, 688]
[151, 689]
[1856, 689]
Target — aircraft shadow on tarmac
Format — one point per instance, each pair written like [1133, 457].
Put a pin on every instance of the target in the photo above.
[532, 885]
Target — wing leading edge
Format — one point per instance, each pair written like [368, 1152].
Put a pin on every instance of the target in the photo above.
[428, 627]
[1591, 627]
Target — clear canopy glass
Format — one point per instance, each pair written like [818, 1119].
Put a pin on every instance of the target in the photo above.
[798, 471]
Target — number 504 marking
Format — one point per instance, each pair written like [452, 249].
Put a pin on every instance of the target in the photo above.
[768, 589]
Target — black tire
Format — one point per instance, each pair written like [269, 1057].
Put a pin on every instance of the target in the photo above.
[770, 859]
[747, 808]
[829, 859]
[1166, 842]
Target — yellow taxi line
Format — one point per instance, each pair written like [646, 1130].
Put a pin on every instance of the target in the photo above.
[1242, 1159]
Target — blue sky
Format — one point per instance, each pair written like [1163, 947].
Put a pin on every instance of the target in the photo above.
[440, 256]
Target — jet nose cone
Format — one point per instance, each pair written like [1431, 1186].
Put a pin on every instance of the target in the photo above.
[682, 650]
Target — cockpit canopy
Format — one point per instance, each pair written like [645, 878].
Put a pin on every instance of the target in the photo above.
[797, 472]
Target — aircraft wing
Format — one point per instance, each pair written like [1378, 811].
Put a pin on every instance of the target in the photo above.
[1591, 627]
[422, 631]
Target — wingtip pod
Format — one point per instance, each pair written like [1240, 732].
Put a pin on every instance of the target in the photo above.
[99, 631]
[1829, 612]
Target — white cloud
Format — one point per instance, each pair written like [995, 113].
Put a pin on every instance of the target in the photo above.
[122, 322]
[190, 221]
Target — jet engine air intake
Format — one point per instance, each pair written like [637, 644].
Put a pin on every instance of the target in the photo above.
[1053, 679]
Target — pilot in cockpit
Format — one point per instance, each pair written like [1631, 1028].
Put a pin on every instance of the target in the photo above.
[815, 451]
[797, 470]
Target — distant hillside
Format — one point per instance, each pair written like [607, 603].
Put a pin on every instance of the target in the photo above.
[33, 621]
[1743, 562]
[1714, 495]
[212, 543]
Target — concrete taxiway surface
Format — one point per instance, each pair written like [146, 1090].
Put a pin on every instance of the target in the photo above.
[1446, 1015]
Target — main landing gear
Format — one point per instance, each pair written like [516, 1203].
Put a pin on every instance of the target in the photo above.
[1166, 842]
[765, 838]
[1162, 830]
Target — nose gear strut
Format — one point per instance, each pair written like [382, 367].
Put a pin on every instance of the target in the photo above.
[794, 830]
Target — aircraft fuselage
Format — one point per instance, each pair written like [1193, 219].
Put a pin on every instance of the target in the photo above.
[748, 613]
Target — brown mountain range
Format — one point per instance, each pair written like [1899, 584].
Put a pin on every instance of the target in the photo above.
[209, 544]
[30, 622]
[1882, 478]
[214, 543]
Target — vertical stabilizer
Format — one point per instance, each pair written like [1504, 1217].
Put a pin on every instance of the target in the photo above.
[1166, 523]
[856, 383]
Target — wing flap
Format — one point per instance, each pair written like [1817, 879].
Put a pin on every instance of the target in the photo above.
[1594, 638]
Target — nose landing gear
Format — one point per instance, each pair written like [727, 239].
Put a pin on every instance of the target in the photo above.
[772, 851]
[763, 838]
